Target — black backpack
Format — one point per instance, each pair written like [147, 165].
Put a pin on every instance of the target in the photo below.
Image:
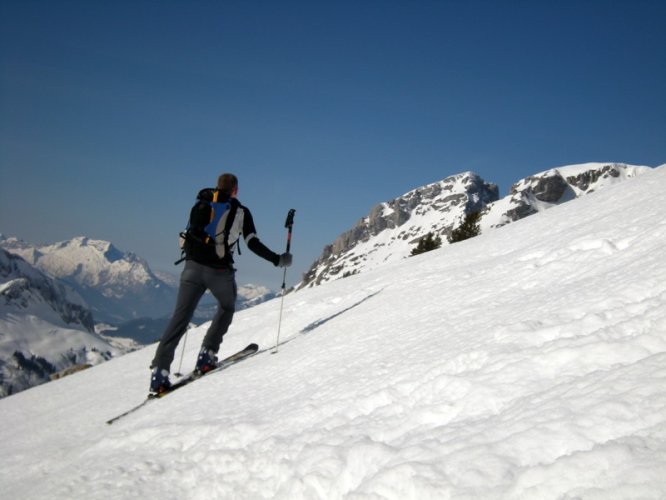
[213, 221]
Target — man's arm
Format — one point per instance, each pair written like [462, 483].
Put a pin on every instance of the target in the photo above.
[254, 243]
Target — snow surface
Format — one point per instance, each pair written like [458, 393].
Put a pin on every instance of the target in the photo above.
[529, 362]
[582, 168]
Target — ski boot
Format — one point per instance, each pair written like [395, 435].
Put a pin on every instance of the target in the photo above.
[206, 361]
[159, 382]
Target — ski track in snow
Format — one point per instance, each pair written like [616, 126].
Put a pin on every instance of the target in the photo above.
[529, 362]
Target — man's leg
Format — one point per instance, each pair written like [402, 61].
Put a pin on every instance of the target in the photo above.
[190, 291]
[222, 284]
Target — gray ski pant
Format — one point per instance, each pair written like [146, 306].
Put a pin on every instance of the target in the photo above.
[194, 281]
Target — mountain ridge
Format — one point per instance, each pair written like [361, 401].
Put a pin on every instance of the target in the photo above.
[555, 186]
[391, 229]
[388, 231]
[118, 285]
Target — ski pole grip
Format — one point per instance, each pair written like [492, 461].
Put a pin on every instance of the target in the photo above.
[290, 218]
[288, 224]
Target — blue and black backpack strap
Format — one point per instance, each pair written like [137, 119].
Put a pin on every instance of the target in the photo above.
[222, 220]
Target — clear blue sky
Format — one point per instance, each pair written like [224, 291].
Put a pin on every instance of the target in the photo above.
[113, 114]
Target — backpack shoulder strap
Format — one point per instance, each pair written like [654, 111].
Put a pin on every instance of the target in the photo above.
[222, 226]
[231, 216]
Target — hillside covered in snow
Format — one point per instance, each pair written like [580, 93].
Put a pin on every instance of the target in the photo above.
[529, 362]
[393, 229]
[553, 187]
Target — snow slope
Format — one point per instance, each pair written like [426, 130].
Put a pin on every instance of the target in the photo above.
[553, 187]
[529, 362]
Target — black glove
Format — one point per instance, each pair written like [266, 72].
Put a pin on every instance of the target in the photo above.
[285, 260]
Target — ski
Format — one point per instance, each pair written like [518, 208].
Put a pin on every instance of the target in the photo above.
[245, 353]
[221, 365]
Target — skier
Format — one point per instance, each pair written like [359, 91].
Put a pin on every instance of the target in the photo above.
[205, 270]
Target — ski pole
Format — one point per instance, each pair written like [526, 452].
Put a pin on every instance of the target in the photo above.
[288, 224]
[178, 373]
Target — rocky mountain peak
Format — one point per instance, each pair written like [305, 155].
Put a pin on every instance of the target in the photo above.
[553, 187]
[391, 228]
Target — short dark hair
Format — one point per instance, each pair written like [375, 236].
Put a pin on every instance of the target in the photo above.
[227, 183]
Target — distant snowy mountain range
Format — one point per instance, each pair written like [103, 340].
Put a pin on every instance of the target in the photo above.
[118, 286]
[392, 229]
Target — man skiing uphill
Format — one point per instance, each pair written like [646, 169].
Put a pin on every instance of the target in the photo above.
[217, 221]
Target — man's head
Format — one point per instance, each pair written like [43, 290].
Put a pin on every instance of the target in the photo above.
[228, 184]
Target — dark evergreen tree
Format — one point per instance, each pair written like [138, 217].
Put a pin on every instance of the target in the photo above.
[427, 243]
[468, 229]
[35, 364]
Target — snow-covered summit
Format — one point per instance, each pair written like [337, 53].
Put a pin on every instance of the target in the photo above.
[529, 362]
[391, 229]
[118, 285]
[553, 187]
[87, 261]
